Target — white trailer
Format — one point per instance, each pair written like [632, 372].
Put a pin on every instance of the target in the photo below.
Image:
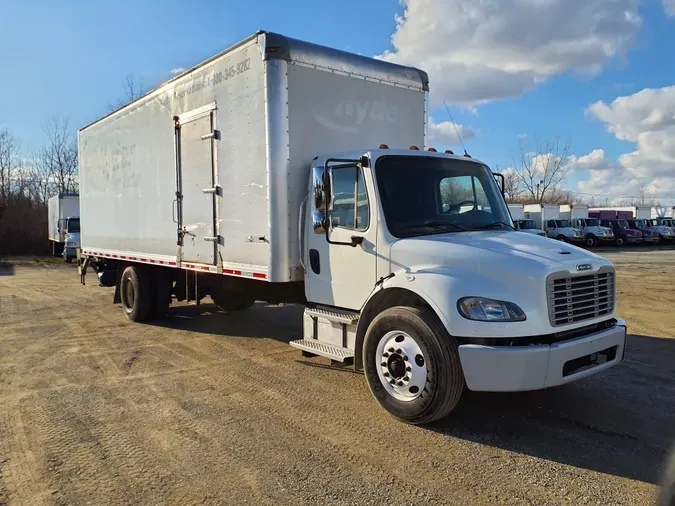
[63, 210]
[253, 176]
[523, 225]
[548, 218]
[577, 215]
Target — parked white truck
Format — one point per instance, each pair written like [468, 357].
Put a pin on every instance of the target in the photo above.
[522, 225]
[63, 215]
[547, 218]
[577, 215]
[222, 182]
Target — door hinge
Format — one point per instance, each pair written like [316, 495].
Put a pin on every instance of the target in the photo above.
[213, 135]
[214, 190]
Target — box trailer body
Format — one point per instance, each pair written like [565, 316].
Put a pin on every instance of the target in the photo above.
[61, 209]
[524, 225]
[283, 171]
[272, 112]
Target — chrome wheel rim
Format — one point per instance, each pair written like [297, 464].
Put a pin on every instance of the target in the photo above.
[401, 366]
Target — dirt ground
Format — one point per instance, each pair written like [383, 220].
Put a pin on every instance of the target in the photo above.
[218, 409]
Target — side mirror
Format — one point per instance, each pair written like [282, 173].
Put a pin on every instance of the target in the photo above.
[321, 185]
[500, 181]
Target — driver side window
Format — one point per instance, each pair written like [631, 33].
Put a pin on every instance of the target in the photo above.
[350, 207]
[461, 194]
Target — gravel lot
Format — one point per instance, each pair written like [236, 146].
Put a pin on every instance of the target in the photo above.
[218, 409]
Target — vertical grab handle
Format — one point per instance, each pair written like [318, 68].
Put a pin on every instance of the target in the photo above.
[173, 210]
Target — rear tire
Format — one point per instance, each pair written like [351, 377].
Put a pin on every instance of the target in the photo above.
[391, 339]
[228, 300]
[591, 241]
[136, 293]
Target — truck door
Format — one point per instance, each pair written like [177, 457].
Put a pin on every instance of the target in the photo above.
[196, 185]
[339, 274]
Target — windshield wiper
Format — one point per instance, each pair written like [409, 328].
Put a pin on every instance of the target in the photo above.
[444, 225]
[491, 225]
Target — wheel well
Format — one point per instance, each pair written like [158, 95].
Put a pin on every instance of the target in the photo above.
[382, 300]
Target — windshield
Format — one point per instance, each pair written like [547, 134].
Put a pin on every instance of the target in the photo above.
[667, 223]
[638, 224]
[592, 222]
[429, 195]
[74, 226]
[527, 224]
[562, 223]
[622, 223]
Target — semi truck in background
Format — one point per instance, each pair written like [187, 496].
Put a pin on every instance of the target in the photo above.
[547, 217]
[617, 220]
[594, 233]
[287, 172]
[521, 224]
[63, 215]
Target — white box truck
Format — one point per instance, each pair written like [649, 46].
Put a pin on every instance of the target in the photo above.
[547, 218]
[283, 171]
[577, 215]
[522, 225]
[63, 215]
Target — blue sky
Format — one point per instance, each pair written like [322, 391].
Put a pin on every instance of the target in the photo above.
[535, 67]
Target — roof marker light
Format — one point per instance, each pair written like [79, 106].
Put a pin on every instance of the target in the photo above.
[384, 146]
[449, 152]
[433, 150]
[414, 148]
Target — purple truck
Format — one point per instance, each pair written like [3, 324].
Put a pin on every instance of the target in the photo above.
[617, 221]
[648, 235]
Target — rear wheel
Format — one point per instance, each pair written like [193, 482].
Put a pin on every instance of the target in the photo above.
[412, 365]
[228, 300]
[620, 241]
[136, 293]
[591, 241]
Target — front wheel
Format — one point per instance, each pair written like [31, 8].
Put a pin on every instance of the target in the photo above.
[591, 241]
[412, 365]
[620, 241]
[562, 238]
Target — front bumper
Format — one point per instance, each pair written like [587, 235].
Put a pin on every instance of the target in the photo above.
[632, 239]
[69, 252]
[650, 238]
[519, 368]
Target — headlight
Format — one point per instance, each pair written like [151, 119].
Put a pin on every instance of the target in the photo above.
[489, 310]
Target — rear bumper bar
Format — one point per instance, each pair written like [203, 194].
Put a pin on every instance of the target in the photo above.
[519, 368]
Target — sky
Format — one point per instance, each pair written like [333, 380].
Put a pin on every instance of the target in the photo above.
[597, 73]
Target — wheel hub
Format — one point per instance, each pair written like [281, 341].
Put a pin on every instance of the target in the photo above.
[402, 368]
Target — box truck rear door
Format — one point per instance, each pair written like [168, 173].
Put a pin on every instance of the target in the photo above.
[195, 177]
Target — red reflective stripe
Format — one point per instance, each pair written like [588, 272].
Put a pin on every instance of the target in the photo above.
[259, 275]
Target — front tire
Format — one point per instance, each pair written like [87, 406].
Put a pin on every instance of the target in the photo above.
[562, 238]
[412, 365]
[591, 241]
[136, 293]
[620, 241]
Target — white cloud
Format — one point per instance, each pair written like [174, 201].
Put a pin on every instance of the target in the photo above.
[444, 133]
[176, 71]
[647, 119]
[593, 161]
[481, 51]
[669, 7]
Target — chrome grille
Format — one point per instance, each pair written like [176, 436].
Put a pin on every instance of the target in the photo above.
[575, 298]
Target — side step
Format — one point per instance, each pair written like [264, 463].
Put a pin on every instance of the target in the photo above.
[325, 350]
[334, 316]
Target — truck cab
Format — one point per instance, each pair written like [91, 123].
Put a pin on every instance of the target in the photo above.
[622, 232]
[529, 227]
[412, 267]
[71, 228]
[564, 231]
[648, 235]
[593, 232]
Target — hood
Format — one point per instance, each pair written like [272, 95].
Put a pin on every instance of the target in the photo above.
[498, 255]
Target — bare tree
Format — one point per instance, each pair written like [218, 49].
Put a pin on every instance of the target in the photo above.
[9, 153]
[642, 192]
[133, 88]
[544, 169]
[58, 160]
[512, 186]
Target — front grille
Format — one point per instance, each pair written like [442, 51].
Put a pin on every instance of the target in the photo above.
[577, 298]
